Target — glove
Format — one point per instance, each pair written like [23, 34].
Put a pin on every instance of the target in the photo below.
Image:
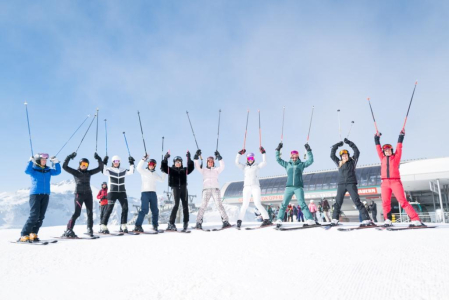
[262, 150]
[72, 156]
[339, 144]
[188, 155]
[377, 139]
[307, 147]
[96, 156]
[401, 136]
[54, 160]
[241, 152]
[131, 160]
[145, 157]
[33, 159]
[279, 147]
[218, 156]
[167, 156]
[105, 160]
[347, 141]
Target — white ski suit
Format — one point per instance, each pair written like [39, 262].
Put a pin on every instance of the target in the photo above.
[211, 188]
[251, 185]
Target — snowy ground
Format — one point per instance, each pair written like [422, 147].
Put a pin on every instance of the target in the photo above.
[231, 264]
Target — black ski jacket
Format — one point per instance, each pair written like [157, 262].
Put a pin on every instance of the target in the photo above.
[346, 173]
[177, 177]
[82, 178]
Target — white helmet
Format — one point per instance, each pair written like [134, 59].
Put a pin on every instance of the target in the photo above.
[116, 157]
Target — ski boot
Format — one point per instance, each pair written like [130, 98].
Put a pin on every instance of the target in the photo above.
[123, 228]
[278, 223]
[334, 222]
[239, 224]
[266, 222]
[104, 229]
[310, 222]
[171, 227]
[34, 238]
[69, 234]
[199, 226]
[185, 226]
[138, 228]
[24, 239]
[155, 228]
[388, 223]
[226, 224]
[90, 232]
[366, 223]
[412, 224]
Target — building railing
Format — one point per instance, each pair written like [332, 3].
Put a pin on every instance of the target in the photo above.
[429, 217]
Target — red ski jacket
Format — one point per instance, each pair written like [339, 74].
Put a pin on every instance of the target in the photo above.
[390, 164]
[103, 196]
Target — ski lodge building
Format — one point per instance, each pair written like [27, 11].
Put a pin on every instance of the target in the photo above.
[425, 181]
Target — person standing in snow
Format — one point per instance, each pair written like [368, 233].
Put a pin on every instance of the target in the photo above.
[391, 180]
[270, 212]
[117, 191]
[40, 175]
[177, 180]
[347, 182]
[83, 191]
[326, 208]
[103, 197]
[251, 185]
[373, 209]
[148, 197]
[300, 215]
[295, 185]
[313, 209]
[211, 187]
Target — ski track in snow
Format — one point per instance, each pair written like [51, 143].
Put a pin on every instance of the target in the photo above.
[230, 264]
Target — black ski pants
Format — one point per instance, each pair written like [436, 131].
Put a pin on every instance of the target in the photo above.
[87, 199]
[112, 198]
[38, 207]
[180, 194]
[351, 188]
[103, 209]
[374, 214]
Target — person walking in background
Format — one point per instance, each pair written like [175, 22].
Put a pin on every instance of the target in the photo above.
[102, 196]
[290, 213]
[300, 215]
[295, 211]
[373, 210]
[326, 208]
[313, 209]
[270, 212]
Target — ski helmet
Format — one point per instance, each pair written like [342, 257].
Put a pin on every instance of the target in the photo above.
[294, 152]
[38, 156]
[344, 151]
[177, 158]
[152, 162]
[84, 161]
[116, 157]
[250, 158]
[104, 183]
[387, 146]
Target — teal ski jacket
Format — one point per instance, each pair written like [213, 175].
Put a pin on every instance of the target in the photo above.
[295, 169]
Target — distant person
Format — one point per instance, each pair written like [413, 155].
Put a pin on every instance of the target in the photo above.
[373, 209]
[313, 209]
[290, 213]
[300, 215]
[295, 211]
[326, 208]
[103, 197]
[270, 212]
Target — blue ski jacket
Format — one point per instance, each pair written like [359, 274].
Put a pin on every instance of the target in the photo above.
[40, 177]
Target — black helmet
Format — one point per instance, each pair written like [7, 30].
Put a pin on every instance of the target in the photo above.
[177, 158]
[84, 160]
[104, 183]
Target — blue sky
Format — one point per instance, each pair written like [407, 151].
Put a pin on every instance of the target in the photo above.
[66, 58]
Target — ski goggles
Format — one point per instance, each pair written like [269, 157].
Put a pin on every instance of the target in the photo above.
[152, 164]
[344, 151]
[387, 146]
[116, 161]
[294, 152]
[84, 164]
[250, 157]
[178, 158]
[43, 155]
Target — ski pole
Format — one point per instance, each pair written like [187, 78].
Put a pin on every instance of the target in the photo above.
[246, 130]
[126, 141]
[106, 132]
[372, 113]
[218, 133]
[72, 135]
[339, 124]
[283, 115]
[85, 134]
[29, 131]
[352, 123]
[405, 121]
[96, 137]
[193, 134]
[308, 134]
[141, 130]
[260, 133]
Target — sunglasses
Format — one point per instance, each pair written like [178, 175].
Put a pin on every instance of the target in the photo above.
[84, 164]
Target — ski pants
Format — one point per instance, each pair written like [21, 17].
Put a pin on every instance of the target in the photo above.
[207, 194]
[353, 192]
[103, 209]
[300, 217]
[149, 200]
[180, 194]
[299, 193]
[123, 199]
[38, 207]
[394, 186]
[374, 215]
[87, 199]
[326, 216]
[255, 191]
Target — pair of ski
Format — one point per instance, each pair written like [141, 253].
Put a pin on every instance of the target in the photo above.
[214, 229]
[40, 243]
[389, 228]
[298, 227]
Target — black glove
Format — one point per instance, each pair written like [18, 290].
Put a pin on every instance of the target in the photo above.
[262, 150]
[218, 156]
[131, 160]
[401, 136]
[347, 141]
[279, 147]
[96, 156]
[241, 152]
[339, 144]
[105, 160]
[307, 147]
[72, 156]
[377, 139]
[167, 156]
[188, 155]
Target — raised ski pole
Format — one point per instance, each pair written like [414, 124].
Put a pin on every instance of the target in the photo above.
[188, 117]
[141, 130]
[126, 141]
[72, 135]
[405, 121]
[106, 133]
[372, 113]
[246, 129]
[352, 123]
[29, 131]
[260, 133]
[85, 134]
[308, 134]
[339, 124]
[218, 133]
[96, 137]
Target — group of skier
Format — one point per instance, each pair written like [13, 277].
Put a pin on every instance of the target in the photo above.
[115, 190]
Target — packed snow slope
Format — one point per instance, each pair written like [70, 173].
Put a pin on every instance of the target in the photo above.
[230, 264]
